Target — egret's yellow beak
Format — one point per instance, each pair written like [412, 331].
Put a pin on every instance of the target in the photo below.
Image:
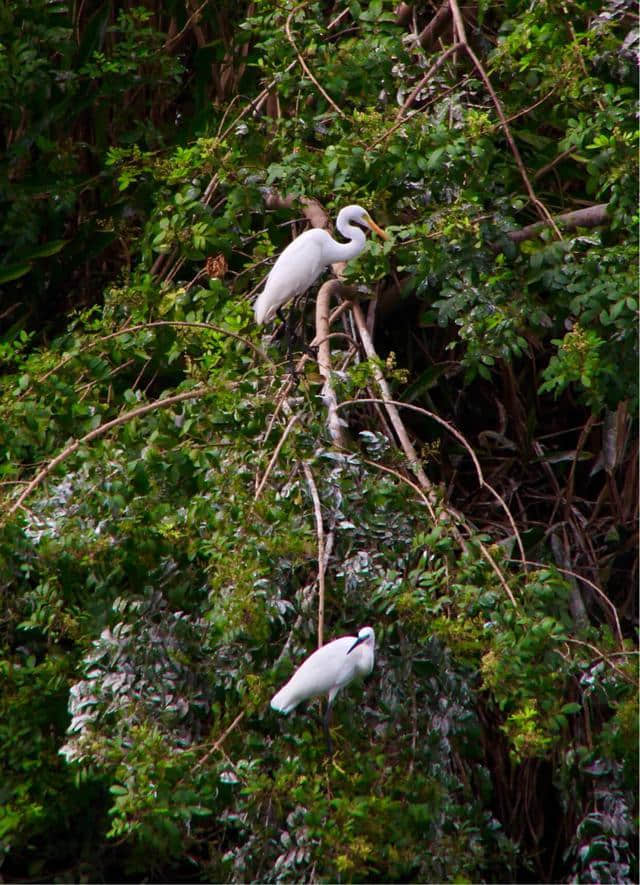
[368, 220]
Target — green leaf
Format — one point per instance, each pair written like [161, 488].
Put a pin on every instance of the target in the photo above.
[571, 708]
[13, 272]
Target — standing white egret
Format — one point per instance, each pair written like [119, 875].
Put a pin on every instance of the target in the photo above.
[326, 671]
[302, 262]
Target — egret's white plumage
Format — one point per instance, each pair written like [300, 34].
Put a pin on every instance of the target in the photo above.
[302, 262]
[328, 669]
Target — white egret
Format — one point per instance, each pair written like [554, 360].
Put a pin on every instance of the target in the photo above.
[302, 262]
[326, 671]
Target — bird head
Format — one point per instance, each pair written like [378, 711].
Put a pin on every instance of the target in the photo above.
[365, 635]
[358, 215]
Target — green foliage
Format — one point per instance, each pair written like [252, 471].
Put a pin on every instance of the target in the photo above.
[160, 578]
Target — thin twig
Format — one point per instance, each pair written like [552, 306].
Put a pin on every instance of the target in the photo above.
[390, 403]
[313, 490]
[254, 102]
[589, 583]
[540, 207]
[557, 159]
[402, 478]
[305, 67]
[157, 323]
[602, 656]
[494, 566]
[456, 433]
[225, 734]
[276, 452]
[170, 43]
[434, 67]
[100, 431]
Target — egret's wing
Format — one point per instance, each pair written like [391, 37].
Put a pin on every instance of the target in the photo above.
[299, 265]
[317, 675]
[295, 270]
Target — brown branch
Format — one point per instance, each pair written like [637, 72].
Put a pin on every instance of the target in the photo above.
[255, 102]
[312, 210]
[591, 216]
[390, 404]
[322, 565]
[288, 384]
[403, 13]
[540, 207]
[434, 67]
[335, 424]
[430, 33]
[481, 480]
[276, 452]
[225, 734]
[100, 431]
[171, 42]
[551, 165]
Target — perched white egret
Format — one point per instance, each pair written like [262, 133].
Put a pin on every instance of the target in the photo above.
[326, 671]
[302, 262]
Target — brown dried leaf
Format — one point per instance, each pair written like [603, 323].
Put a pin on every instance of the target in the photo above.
[216, 267]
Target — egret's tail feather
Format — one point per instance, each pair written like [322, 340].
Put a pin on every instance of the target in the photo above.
[282, 701]
[259, 308]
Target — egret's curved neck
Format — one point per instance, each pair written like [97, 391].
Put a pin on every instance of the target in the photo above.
[346, 251]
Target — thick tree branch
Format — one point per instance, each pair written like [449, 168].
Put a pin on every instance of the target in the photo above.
[430, 33]
[335, 424]
[313, 211]
[592, 216]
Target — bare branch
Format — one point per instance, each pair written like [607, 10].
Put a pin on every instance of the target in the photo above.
[335, 424]
[540, 207]
[403, 13]
[591, 216]
[276, 452]
[434, 67]
[390, 404]
[322, 565]
[218, 744]
[430, 33]
[456, 433]
[598, 590]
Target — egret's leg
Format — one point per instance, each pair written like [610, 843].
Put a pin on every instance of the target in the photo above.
[289, 336]
[326, 722]
[310, 350]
